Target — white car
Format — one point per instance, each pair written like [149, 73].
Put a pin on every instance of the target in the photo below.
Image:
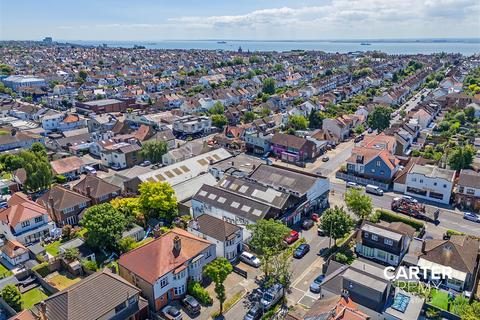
[353, 185]
[471, 216]
[171, 313]
[250, 259]
[409, 199]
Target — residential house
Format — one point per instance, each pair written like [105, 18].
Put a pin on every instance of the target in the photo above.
[64, 205]
[335, 308]
[384, 242]
[69, 167]
[14, 252]
[63, 122]
[293, 149]
[340, 127]
[162, 267]
[190, 125]
[258, 142]
[430, 182]
[24, 220]
[372, 163]
[102, 295]
[97, 189]
[227, 237]
[467, 190]
[18, 140]
[121, 155]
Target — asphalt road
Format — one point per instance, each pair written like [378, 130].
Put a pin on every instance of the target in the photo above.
[449, 219]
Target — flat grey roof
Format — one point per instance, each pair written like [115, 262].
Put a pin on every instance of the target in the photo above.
[433, 171]
[104, 102]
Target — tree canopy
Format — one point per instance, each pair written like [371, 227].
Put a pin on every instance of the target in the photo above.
[298, 122]
[157, 200]
[360, 204]
[11, 295]
[154, 150]
[217, 108]
[104, 225]
[37, 167]
[269, 86]
[218, 270]
[461, 157]
[336, 222]
[379, 118]
[219, 120]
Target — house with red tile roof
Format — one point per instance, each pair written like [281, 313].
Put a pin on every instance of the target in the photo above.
[14, 252]
[161, 268]
[24, 220]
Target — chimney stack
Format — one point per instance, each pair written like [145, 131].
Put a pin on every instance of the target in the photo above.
[177, 245]
[43, 311]
[88, 189]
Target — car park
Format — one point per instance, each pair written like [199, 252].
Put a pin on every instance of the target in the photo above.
[471, 216]
[171, 313]
[254, 313]
[250, 259]
[191, 305]
[301, 251]
[315, 286]
[307, 224]
[292, 237]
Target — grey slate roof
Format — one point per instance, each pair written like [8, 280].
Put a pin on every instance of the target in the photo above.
[214, 227]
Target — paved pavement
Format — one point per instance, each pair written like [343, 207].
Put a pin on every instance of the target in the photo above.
[303, 272]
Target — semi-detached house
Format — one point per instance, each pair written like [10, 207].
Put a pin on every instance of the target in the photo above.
[162, 267]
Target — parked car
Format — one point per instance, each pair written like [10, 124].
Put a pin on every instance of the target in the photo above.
[409, 199]
[301, 251]
[321, 232]
[191, 305]
[315, 217]
[90, 169]
[353, 185]
[374, 190]
[315, 286]
[250, 259]
[471, 216]
[307, 224]
[272, 296]
[292, 237]
[254, 313]
[145, 163]
[172, 313]
[325, 159]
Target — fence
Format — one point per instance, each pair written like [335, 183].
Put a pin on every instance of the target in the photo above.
[362, 181]
[241, 272]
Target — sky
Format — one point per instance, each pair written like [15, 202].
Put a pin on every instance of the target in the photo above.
[154, 20]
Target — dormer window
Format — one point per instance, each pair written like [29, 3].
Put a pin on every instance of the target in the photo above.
[25, 224]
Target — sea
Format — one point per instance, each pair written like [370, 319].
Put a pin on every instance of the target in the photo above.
[465, 47]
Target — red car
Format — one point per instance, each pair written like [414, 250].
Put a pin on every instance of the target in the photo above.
[292, 237]
[315, 217]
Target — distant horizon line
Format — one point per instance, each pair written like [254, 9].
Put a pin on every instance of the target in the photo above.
[444, 39]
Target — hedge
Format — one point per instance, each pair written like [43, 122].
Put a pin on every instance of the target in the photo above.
[200, 293]
[42, 269]
[389, 216]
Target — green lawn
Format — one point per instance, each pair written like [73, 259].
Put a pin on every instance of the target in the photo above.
[52, 248]
[63, 280]
[31, 297]
[439, 299]
[4, 272]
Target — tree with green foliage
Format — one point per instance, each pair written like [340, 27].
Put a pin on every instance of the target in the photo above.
[37, 167]
[5, 69]
[218, 270]
[359, 203]
[104, 225]
[154, 150]
[71, 254]
[12, 296]
[268, 240]
[157, 200]
[126, 244]
[297, 122]
[315, 119]
[248, 117]
[217, 108]
[219, 120]
[379, 118]
[83, 75]
[269, 86]
[278, 67]
[336, 223]
[131, 209]
[470, 113]
[359, 129]
[461, 157]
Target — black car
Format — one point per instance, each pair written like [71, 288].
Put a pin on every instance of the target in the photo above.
[307, 224]
[254, 313]
[191, 305]
[301, 251]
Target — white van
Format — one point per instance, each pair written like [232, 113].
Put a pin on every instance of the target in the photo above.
[374, 189]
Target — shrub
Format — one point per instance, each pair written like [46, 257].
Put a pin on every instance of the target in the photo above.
[200, 293]
[393, 217]
[341, 257]
[90, 265]
[60, 178]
